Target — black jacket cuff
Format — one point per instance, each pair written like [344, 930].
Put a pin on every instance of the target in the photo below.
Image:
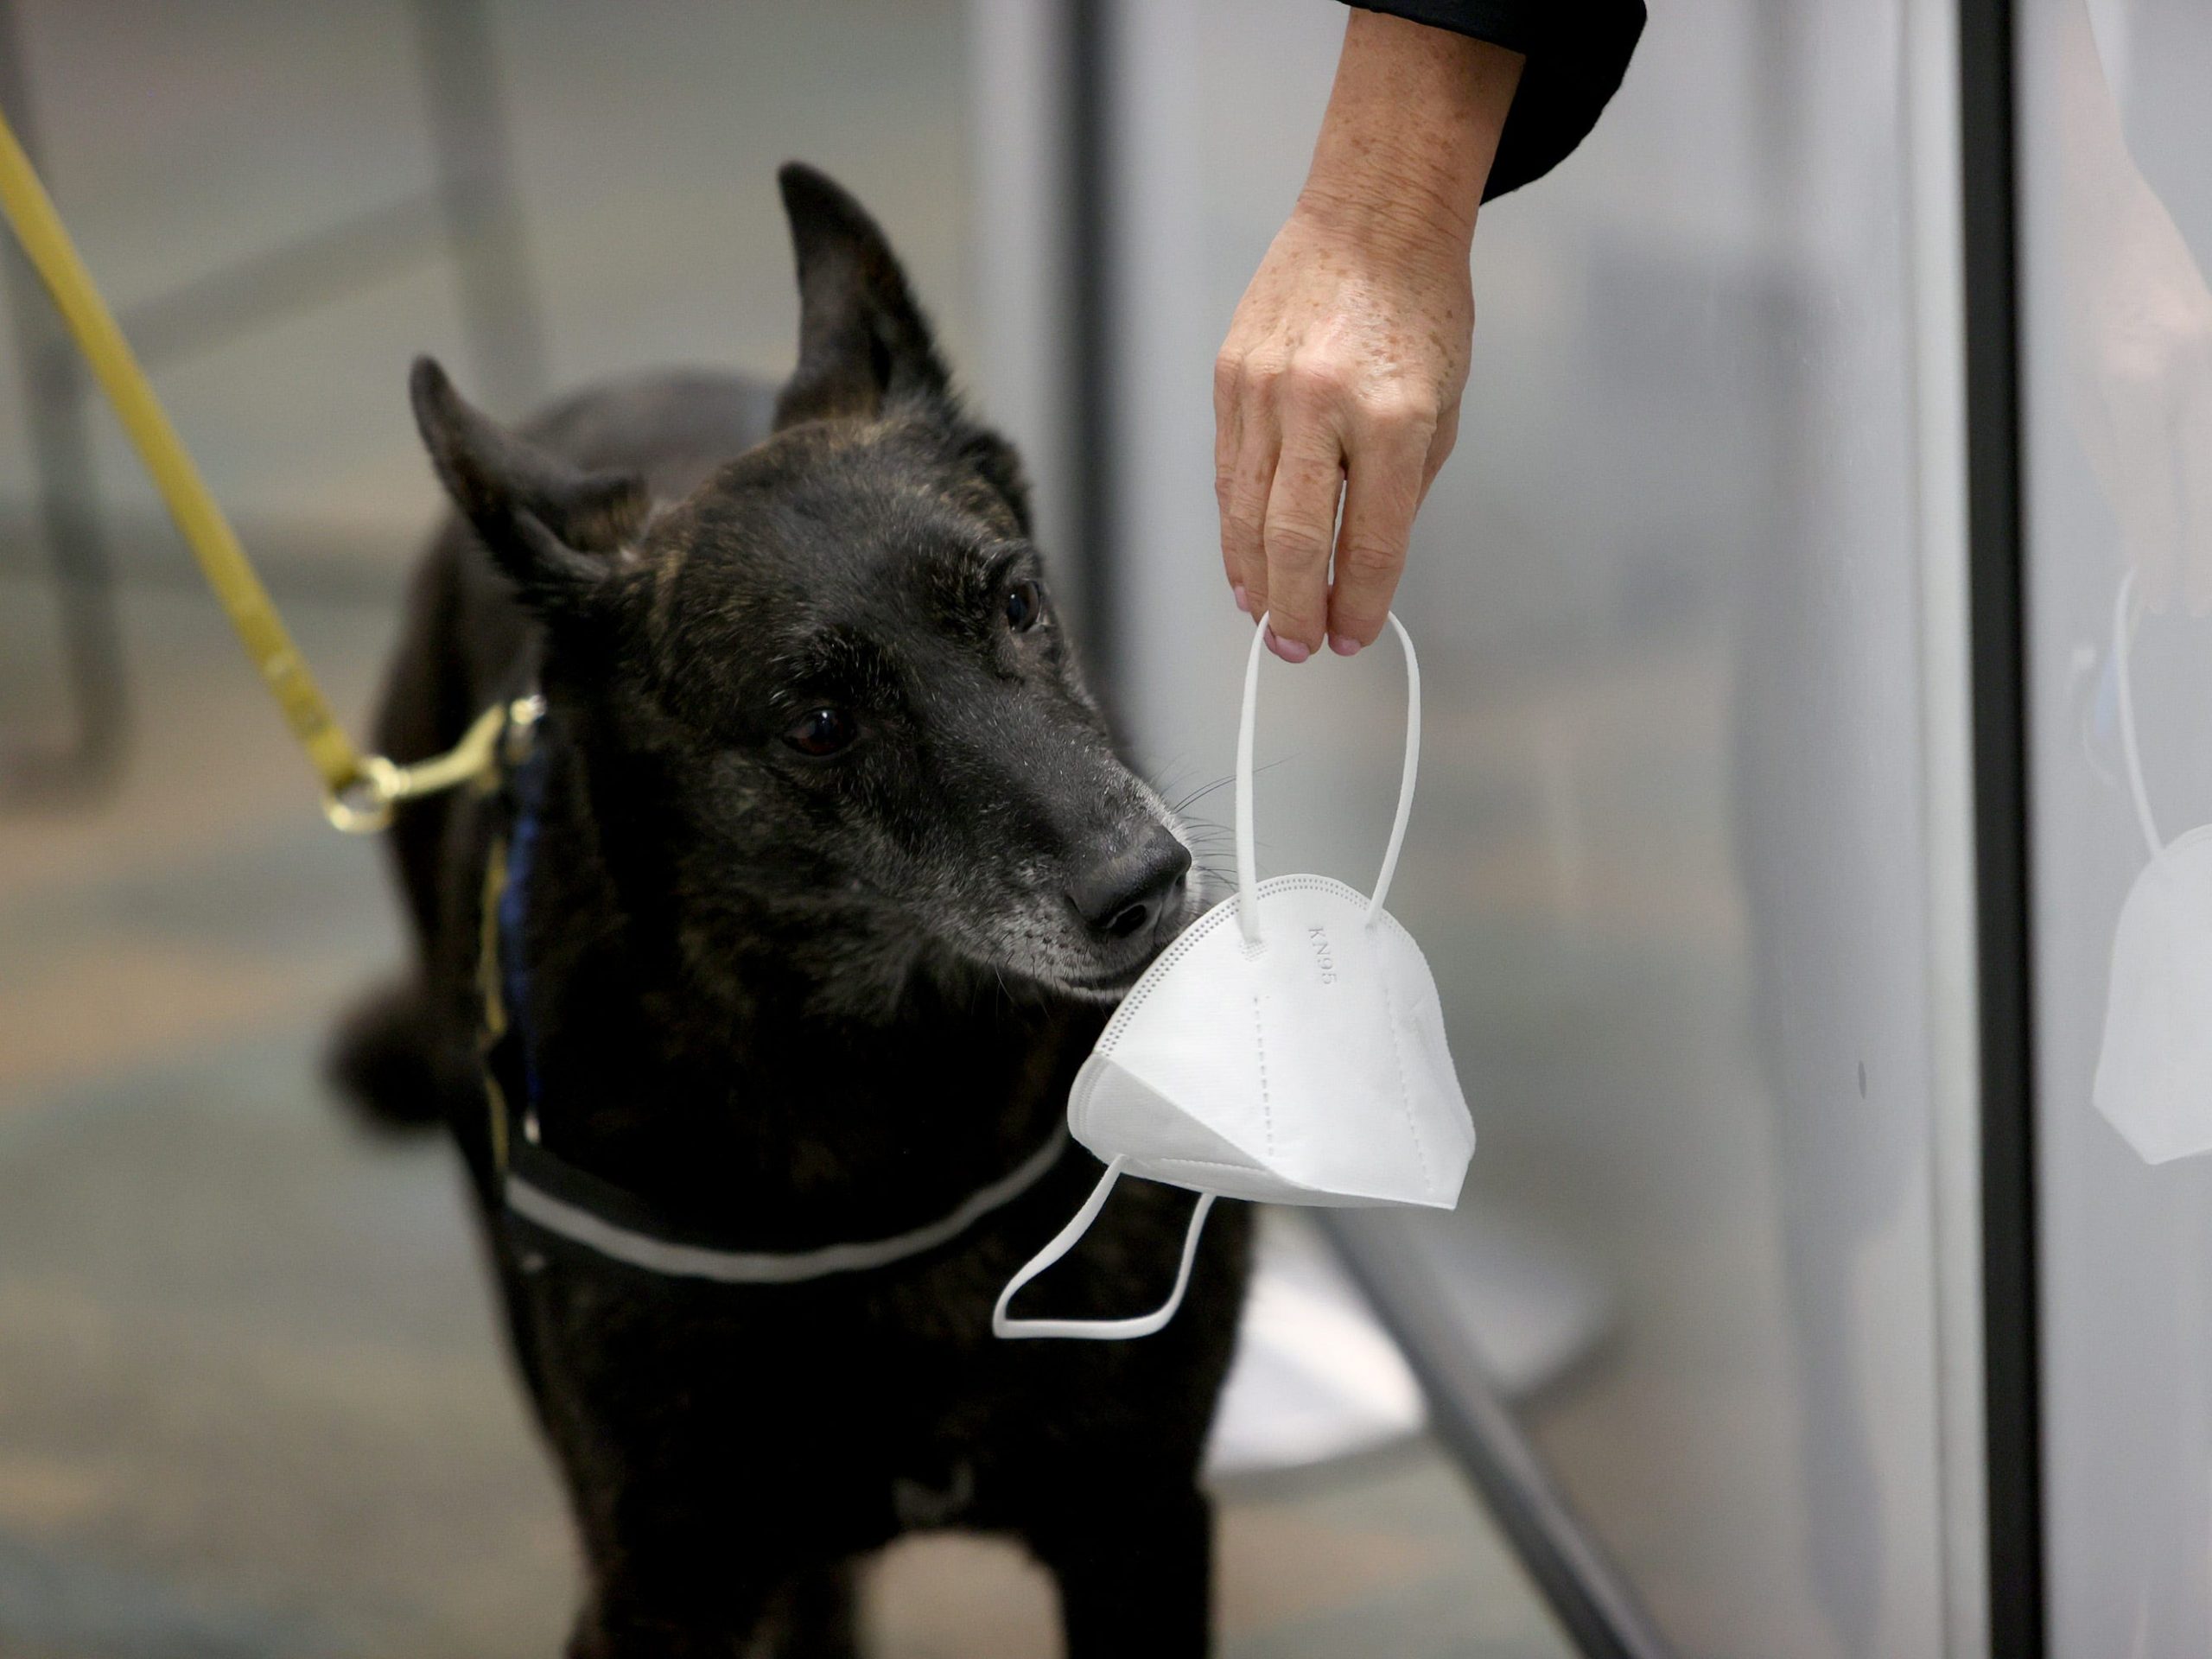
[1578, 50]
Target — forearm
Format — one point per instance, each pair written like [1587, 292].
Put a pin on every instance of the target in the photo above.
[1411, 130]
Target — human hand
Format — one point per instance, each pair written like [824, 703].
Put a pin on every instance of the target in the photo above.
[1343, 370]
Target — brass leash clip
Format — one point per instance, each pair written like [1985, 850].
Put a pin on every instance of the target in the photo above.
[364, 805]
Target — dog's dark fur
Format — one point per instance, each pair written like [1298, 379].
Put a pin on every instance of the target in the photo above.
[802, 999]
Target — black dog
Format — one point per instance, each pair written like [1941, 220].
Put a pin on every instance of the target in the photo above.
[821, 874]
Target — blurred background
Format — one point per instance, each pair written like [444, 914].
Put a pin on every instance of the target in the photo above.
[1692, 860]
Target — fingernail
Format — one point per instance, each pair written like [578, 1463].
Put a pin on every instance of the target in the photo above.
[1243, 601]
[1344, 644]
[1289, 650]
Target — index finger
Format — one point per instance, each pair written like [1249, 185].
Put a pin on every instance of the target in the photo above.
[1228, 447]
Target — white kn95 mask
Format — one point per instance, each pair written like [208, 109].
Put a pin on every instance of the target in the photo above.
[1288, 1046]
[2154, 1070]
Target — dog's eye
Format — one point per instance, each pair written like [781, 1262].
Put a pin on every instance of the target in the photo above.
[1025, 606]
[820, 732]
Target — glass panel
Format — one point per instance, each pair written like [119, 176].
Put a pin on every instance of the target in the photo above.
[2118, 220]
[1667, 859]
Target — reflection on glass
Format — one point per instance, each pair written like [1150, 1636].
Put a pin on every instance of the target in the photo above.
[2138, 334]
[2118, 216]
[2154, 1070]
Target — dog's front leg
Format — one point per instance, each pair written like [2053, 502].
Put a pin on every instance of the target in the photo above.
[817, 1616]
[1135, 1572]
[628, 1621]
[812, 1614]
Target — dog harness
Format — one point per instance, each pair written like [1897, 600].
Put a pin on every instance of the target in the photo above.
[548, 1198]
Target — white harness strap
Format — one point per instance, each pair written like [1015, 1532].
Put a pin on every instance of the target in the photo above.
[580, 1226]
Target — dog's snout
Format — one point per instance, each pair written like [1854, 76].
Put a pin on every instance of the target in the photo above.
[1126, 893]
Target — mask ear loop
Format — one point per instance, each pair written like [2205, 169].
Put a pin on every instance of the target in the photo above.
[1406, 776]
[1248, 886]
[2122, 633]
[1142, 1325]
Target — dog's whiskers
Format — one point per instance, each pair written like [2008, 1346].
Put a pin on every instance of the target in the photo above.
[1200, 793]
[1205, 790]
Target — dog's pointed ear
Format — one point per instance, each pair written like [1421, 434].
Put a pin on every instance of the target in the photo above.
[863, 341]
[553, 528]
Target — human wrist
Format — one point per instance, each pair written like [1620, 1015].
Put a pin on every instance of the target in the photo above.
[1406, 147]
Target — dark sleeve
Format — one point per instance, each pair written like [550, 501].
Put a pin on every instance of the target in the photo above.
[1578, 50]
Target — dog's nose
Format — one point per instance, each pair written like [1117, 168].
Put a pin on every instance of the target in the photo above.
[1125, 894]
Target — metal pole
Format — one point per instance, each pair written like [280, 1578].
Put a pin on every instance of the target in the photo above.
[1996, 603]
[1594, 1604]
[501, 316]
[61, 454]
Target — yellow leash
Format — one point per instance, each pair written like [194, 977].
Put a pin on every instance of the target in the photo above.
[358, 790]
